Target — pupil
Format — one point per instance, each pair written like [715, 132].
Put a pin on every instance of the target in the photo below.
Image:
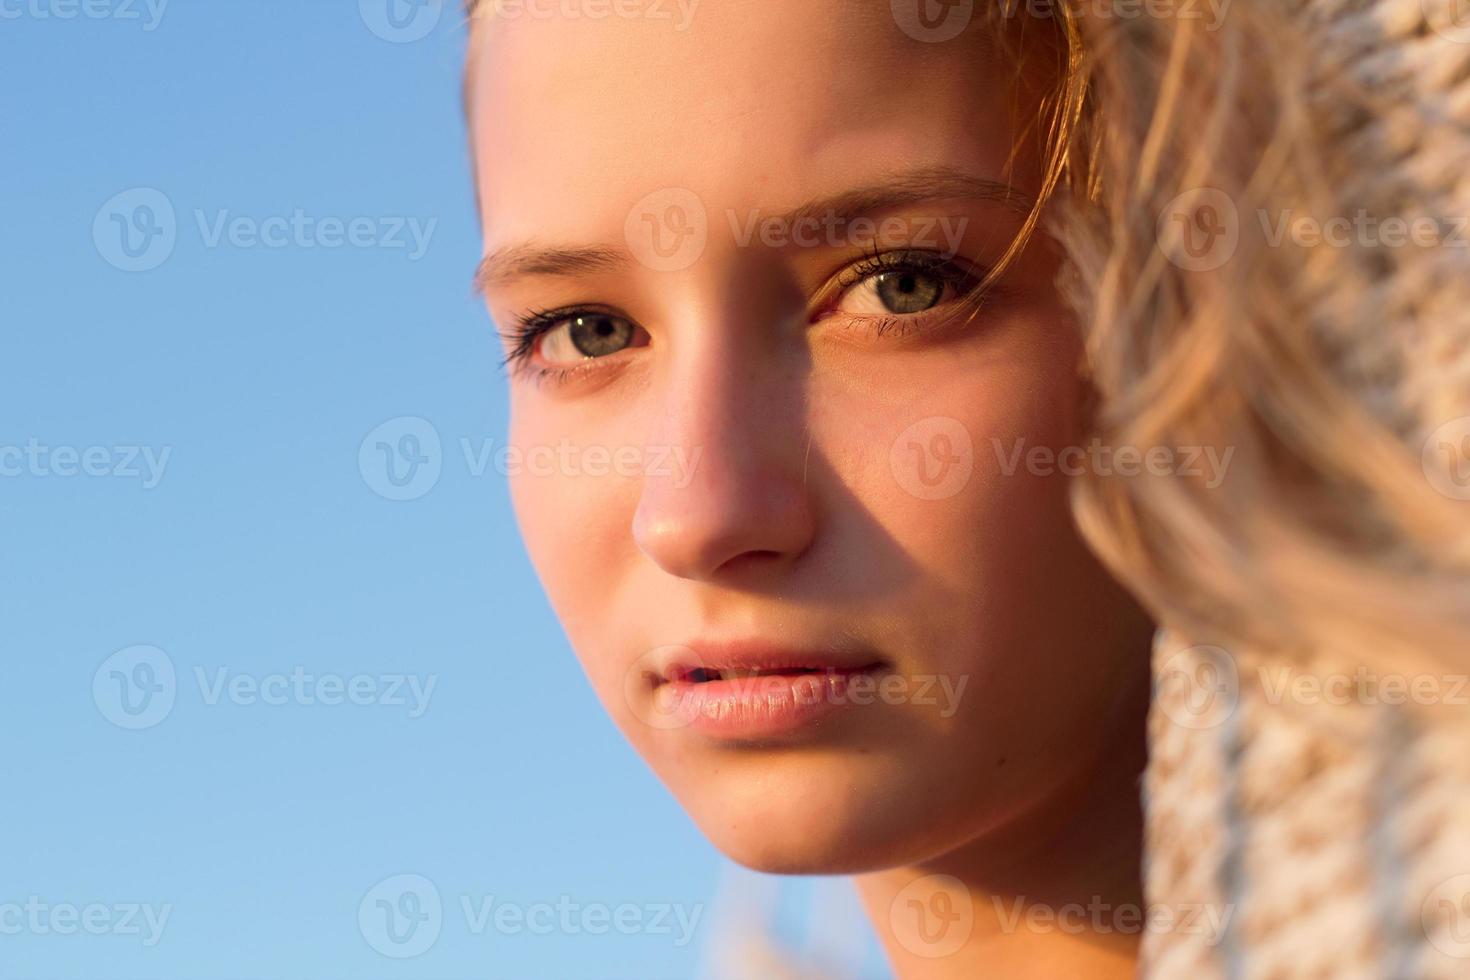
[599, 336]
[910, 292]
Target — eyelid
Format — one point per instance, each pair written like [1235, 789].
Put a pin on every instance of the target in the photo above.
[962, 273]
[528, 328]
[898, 258]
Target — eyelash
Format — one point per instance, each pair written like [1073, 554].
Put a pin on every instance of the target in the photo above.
[964, 279]
[530, 326]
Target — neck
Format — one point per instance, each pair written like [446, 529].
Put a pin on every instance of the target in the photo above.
[1058, 893]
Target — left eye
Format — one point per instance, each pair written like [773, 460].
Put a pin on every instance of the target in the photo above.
[587, 335]
[902, 288]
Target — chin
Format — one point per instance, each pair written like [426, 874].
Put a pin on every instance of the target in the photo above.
[835, 850]
[825, 816]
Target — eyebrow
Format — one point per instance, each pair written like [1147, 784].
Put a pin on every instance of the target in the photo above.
[530, 259]
[910, 187]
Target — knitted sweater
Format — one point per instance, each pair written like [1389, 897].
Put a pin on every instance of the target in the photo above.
[1312, 788]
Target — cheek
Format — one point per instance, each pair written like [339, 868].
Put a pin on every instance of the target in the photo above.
[574, 486]
[936, 456]
[992, 580]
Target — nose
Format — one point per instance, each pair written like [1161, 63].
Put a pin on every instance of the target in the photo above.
[736, 500]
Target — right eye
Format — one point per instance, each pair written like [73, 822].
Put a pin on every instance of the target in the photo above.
[561, 338]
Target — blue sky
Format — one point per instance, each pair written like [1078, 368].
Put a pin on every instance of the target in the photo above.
[264, 692]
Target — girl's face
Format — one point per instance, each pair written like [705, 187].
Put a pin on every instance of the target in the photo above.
[792, 505]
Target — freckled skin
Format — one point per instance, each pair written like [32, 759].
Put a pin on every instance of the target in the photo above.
[794, 527]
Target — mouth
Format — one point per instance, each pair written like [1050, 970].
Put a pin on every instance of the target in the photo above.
[709, 675]
[751, 691]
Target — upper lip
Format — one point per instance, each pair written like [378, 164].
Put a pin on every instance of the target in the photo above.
[743, 658]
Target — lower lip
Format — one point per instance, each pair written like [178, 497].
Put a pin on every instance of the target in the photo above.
[765, 706]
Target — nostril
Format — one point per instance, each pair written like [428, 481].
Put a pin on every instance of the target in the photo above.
[754, 559]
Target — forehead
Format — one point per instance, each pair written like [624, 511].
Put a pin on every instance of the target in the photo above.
[747, 103]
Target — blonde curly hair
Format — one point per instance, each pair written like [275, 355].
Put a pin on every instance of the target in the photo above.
[1337, 373]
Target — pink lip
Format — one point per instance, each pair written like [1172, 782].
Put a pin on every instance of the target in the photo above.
[752, 690]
